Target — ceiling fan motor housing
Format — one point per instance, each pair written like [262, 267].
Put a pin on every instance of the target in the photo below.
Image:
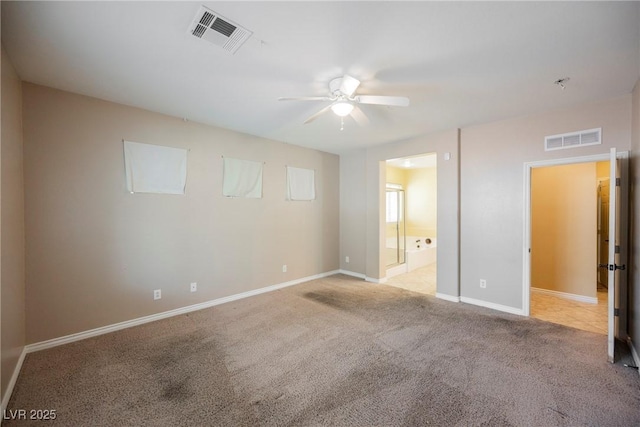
[334, 86]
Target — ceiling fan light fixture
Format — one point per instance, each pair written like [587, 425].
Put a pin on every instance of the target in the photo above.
[343, 98]
[342, 108]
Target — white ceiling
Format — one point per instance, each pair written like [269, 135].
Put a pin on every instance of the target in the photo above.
[459, 63]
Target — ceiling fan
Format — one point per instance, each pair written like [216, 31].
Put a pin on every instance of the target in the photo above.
[344, 101]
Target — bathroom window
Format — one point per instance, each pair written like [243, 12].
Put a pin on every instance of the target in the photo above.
[392, 206]
[394, 202]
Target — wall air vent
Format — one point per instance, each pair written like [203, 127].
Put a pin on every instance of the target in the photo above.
[210, 26]
[573, 139]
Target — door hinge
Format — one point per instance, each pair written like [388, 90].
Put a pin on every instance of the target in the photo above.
[616, 312]
[617, 249]
[617, 182]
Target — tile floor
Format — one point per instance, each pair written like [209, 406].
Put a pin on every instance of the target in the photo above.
[575, 314]
[579, 315]
[421, 280]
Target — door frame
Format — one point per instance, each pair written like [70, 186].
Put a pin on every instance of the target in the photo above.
[382, 186]
[400, 204]
[526, 249]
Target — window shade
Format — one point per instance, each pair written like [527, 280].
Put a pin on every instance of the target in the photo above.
[301, 184]
[242, 178]
[154, 168]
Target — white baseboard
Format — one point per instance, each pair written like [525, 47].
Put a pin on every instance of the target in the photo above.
[493, 306]
[12, 381]
[565, 295]
[447, 297]
[353, 274]
[396, 271]
[178, 311]
[380, 281]
[634, 353]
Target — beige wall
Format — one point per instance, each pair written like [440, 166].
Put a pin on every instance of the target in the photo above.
[492, 189]
[563, 229]
[12, 273]
[95, 253]
[397, 176]
[634, 262]
[422, 202]
[602, 169]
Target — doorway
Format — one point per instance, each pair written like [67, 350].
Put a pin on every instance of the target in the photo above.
[411, 223]
[617, 246]
[569, 237]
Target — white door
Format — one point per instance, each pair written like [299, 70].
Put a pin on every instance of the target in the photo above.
[617, 252]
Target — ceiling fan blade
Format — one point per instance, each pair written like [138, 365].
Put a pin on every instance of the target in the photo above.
[359, 116]
[349, 85]
[307, 98]
[318, 114]
[396, 101]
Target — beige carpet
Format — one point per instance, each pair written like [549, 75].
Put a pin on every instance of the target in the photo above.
[335, 351]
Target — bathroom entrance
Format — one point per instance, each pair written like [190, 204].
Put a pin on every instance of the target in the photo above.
[410, 213]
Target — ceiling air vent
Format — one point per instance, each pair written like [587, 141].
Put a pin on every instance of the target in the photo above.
[210, 26]
[573, 139]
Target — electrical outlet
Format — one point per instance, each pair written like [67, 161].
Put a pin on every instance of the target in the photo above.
[157, 294]
[284, 268]
[346, 259]
[483, 283]
[194, 286]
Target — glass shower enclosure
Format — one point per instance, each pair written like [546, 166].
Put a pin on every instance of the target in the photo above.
[395, 226]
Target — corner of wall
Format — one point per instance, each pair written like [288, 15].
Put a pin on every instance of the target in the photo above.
[633, 319]
[12, 242]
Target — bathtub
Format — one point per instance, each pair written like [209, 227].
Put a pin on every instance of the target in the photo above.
[420, 253]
